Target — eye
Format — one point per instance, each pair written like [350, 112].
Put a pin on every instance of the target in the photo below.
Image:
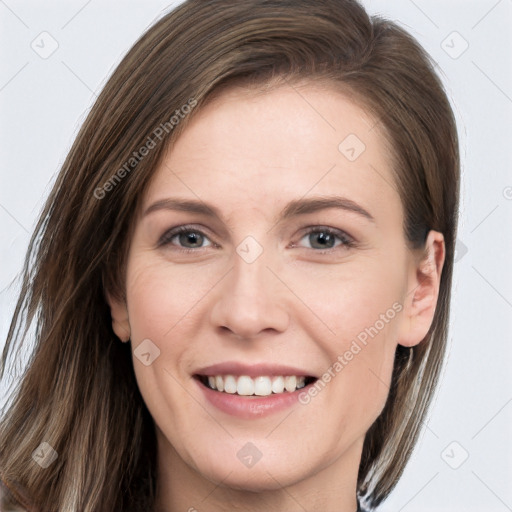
[190, 238]
[321, 239]
[324, 239]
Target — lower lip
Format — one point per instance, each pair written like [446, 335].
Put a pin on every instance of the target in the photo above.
[250, 407]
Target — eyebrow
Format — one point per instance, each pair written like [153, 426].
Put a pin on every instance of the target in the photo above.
[292, 209]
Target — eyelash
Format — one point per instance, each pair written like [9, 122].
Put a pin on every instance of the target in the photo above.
[347, 241]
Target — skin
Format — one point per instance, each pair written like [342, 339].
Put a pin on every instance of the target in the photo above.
[249, 154]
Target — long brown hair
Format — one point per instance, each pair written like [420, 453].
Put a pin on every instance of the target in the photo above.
[78, 392]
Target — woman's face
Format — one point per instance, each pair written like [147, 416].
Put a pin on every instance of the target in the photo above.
[271, 290]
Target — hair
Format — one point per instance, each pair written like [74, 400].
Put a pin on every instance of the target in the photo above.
[78, 390]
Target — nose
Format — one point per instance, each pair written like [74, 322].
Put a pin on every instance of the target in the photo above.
[250, 300]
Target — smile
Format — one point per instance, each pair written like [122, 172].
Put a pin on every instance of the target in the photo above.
[245, 385]
[252, 390]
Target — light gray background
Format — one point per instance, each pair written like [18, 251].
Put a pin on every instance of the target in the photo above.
[44, 100]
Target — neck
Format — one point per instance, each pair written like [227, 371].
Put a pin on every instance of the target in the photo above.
[182, 488]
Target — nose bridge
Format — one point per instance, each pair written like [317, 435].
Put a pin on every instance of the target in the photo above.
[249, 301]
[250, 275]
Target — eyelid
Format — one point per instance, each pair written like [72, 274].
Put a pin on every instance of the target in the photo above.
[320, 227]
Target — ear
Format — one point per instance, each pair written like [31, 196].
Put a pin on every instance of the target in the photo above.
[421, 301]
[120, 320]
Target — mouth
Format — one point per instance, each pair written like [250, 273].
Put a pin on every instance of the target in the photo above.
[252, 390]
[259, 386]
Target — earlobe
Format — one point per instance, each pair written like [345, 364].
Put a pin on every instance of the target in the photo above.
[423, 291]
[120, 319]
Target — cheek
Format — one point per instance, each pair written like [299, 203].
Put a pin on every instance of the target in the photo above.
[162, 298]
[358, 301]
[164, 306]
[363, 311]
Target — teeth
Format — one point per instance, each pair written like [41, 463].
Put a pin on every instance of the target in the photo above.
[290, 383]
[260, 386]
[229, 384]
[245, 386]
[278, 384]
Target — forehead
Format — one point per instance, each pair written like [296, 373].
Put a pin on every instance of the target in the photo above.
[254, 150]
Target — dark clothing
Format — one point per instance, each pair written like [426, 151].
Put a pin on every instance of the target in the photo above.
[12, 499]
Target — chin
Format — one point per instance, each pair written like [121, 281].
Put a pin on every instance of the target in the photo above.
[257, 479]
[272, 466]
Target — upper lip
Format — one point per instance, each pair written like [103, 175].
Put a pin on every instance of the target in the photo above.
[252, 370]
